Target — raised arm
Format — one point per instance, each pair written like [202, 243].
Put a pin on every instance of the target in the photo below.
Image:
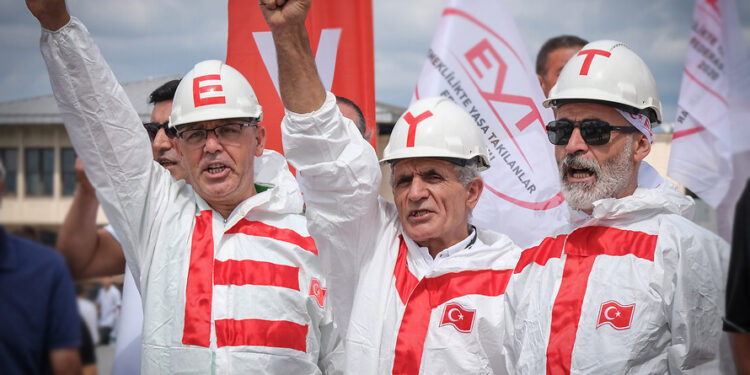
[299, 84]
[104, 128]
[52, 14]
[89, 251]
[338, 171]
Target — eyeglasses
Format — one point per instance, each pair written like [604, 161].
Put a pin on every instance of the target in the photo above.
[593, 131]
[153, 128]
[228, 133]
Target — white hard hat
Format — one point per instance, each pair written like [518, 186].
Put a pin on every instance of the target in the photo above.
[438, 128]
[213, 90]
[608, 71]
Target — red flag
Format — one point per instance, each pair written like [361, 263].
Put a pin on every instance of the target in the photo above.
[318, 292]
[341, 39]
[459, 317]
[617, 315]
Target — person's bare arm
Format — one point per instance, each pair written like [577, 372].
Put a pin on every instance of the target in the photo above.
[52, 14]
[89, 252]
[299, 84]
[741, 351]
[65, 361]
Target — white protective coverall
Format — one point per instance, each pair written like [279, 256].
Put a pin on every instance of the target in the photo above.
[409, 313]
[236, 296]
[634, 288]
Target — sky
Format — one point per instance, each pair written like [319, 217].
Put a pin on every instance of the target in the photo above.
[143, 39]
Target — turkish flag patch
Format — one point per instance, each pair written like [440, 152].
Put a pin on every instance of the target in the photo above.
[462, 319]
[616, 315]
[318, 292]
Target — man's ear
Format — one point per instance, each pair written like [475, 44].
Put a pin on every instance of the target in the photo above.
[260, 138]
[641, 147]
[473, 191]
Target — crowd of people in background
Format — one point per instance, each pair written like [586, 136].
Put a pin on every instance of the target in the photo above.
[227, 269]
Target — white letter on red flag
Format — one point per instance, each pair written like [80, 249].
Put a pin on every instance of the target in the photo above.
[341, 38]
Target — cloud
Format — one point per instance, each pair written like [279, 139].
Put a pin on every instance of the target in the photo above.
[142, 39]
[403, 32]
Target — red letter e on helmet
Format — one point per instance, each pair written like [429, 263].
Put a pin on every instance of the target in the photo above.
[207, 94]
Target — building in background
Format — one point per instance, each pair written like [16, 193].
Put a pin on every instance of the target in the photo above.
[39, 158]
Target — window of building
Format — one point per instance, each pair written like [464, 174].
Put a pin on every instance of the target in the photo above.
[9, 157]
[67, 166]
[40, 167]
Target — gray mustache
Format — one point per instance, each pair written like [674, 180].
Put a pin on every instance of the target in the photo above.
[579, 162]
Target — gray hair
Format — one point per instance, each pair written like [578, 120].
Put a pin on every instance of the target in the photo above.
[2, 172]
[467, 173]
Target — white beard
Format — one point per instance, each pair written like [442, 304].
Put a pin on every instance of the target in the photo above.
[609, 179]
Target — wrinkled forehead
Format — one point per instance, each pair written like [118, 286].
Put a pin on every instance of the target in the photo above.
[581, 111]
[412, 166]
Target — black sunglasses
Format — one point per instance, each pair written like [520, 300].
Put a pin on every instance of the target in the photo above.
[153, 128]
[594, 132]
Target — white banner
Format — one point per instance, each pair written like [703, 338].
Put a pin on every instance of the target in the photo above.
[478, 59]
[711, 146]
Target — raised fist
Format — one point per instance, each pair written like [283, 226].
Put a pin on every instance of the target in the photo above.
[284, 13]
[52, 14]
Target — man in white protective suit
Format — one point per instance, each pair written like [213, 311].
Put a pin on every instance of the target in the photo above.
[418, 288]
[630, 285]
[230, 279]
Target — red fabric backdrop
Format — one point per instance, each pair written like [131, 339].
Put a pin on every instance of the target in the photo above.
[354, 62]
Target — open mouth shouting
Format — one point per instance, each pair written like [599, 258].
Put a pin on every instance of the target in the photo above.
[576, 168]
[419, 216]
[418, 213]
[216, 170]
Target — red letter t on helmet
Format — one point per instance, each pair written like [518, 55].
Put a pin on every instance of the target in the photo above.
[590, 53]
